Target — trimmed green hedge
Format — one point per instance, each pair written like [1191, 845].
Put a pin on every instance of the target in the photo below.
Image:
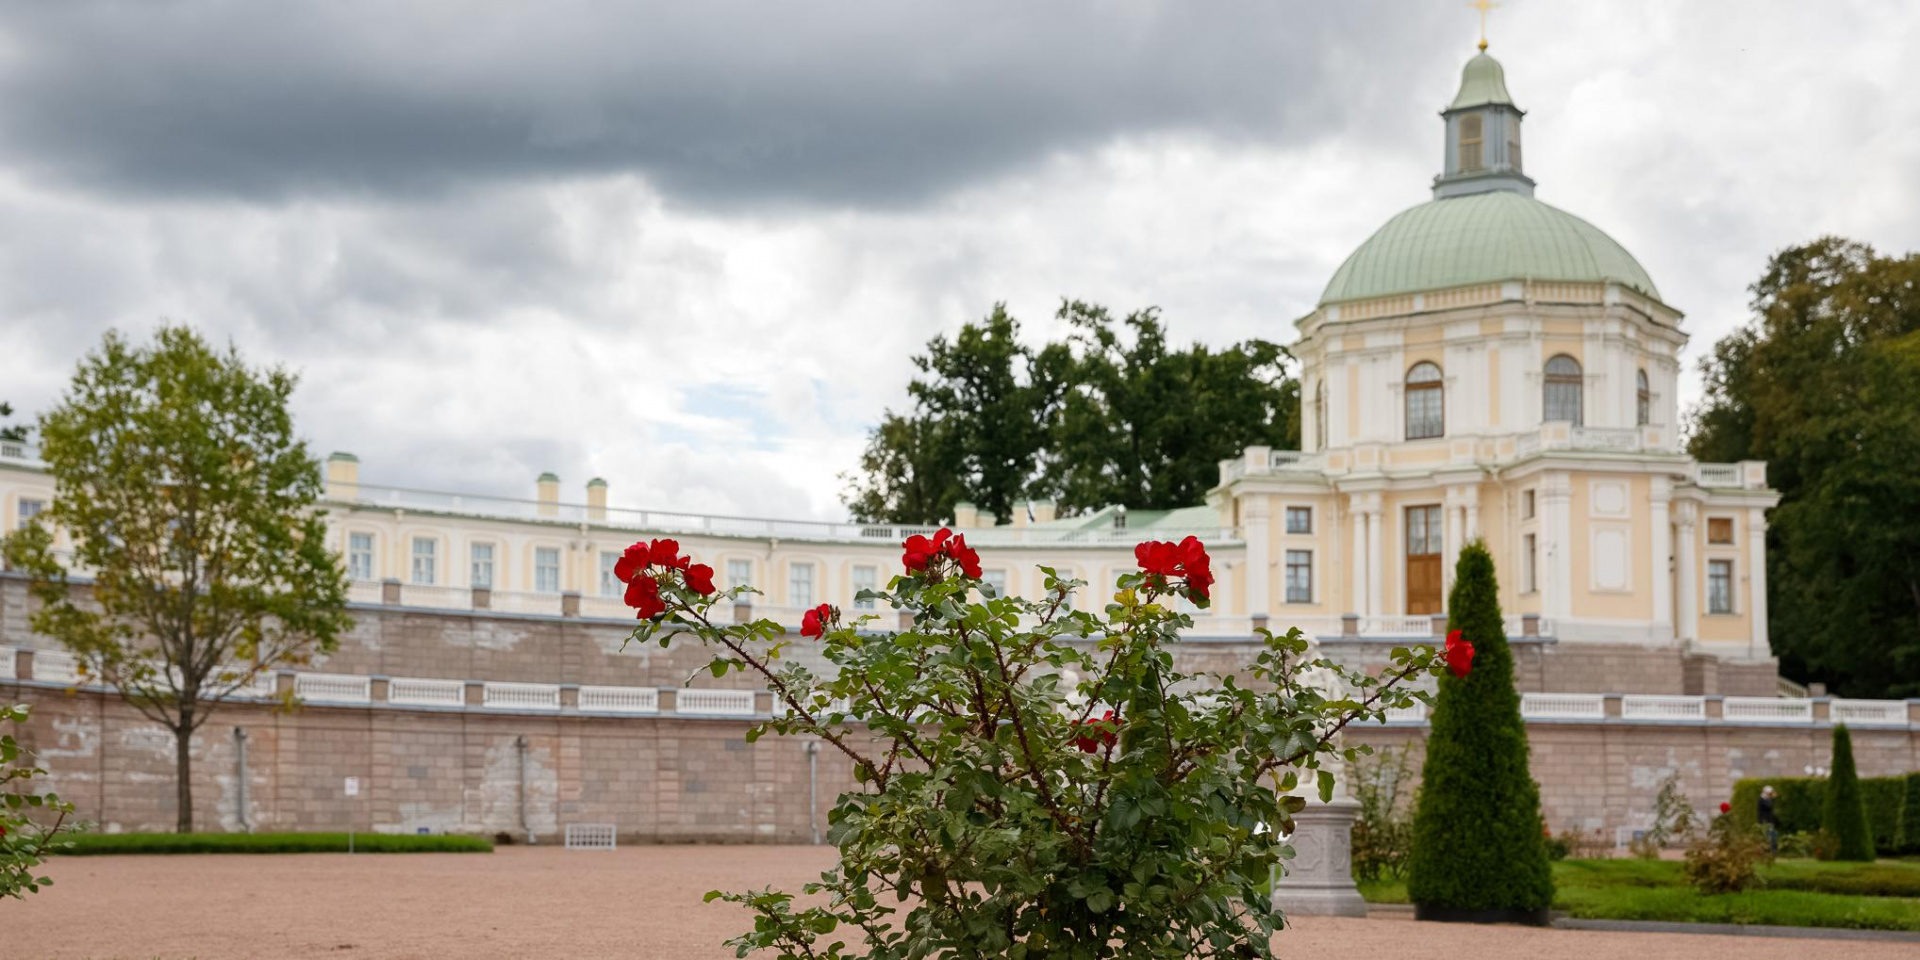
[138, 843]
[1891, 810]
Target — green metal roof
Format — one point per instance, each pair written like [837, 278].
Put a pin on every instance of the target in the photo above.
[1482, 238]
[1483, 81]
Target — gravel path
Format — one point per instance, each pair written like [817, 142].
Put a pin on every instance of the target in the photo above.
[638, 902]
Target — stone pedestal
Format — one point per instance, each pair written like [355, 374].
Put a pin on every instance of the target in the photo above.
[1318, 881]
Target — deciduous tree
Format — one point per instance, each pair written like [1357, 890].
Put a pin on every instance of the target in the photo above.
[190, 506]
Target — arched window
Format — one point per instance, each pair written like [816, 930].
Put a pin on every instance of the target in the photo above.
[1320, 414]
[1470, 138]
[1645, 406]
[1426, 404]
[1563, 386]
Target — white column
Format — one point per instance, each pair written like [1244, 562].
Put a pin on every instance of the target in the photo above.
[1254, 510]
[1473, 512]
[1557, 523]
[1357, 603]
[1759, 648]
[1455, 522]
[1661, 562]
[1376, 562]
[1686, 607]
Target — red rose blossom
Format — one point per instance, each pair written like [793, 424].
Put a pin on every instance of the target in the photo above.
[1186, 560]
[665, 552]
[814, 623]
[1726, 807]
[643, 594]
[1459, 654]
[632, 562]
[700, 579]
[1094, 740]
[920, 552]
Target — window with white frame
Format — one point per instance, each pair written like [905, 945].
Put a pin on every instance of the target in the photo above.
[425, 560]
[1426, 402]
[865, 577]
[1299, 519]
[800, 584]
[1299, 576]
[546, 569]
[610, 585]
[1563, 385]
[1526, 504]
[480, 559]
[360, 556]
[28, 510]
[995, 581]
[739, 573]
[1644, 400]
[1719, 586]
[1528, 568]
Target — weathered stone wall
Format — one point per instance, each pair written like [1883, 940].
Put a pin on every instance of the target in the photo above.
[667, 779]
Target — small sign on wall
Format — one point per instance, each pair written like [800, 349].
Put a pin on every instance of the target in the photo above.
[353, 786]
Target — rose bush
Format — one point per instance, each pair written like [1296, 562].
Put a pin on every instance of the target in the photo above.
[1039, 780]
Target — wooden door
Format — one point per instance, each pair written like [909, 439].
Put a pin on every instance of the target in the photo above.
[1424, 539]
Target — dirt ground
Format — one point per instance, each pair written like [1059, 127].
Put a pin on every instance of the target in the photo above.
[638, 902]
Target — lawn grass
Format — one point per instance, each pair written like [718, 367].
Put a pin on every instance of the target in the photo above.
[1798, 893]
[139, 843]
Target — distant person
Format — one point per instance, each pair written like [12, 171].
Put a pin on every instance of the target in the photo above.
[1769, 820]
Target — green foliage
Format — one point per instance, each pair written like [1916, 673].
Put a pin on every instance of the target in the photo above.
[1385, 785]
[1824, 385]
[1477, 841]
[11, 431]
[182, 492]
[1727, 858]
[1910, 815]
[1844, 814]
[1884, 798]
[101, 844]
[1797, 802]
[1673, 820]
[1001, 814]
[1110, 414]
[26, 835]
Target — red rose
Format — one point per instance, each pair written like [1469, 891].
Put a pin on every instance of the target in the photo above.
[1093, 741]
[666, 553]
[1187, 560]
[814, 623]
[1157, 557]
[700, 579]
[634, 560]
[643, 594]
[1459, 654]
[1726, 807]
[921, 552]
[969, 560]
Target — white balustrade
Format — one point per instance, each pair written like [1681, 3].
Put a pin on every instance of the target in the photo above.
[1659, 707]
[1409, 626]
[1766, 710]
[1868, 713]
[1623, 439]
[605, 608]
[1563, 706]
[521, 601]
[363, 591]
[719, 703]
[418, 692]
[627, 700]
[591, 836]
[332, 688]
[501, 695]
[1718, 475]
[57, 666]
[1789, 689]
[1516, 626]
[437, 597]
[1414, 713]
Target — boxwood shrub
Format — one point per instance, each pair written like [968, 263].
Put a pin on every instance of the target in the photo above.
[1893, 806]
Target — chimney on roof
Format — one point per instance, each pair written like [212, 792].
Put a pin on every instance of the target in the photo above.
[343, 476]
[965, 515]
[549, 487]
[1022, 513]
[596, 499]
[1044, 511]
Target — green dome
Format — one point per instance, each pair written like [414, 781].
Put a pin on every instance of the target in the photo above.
[1483, 81]
[1482, 238]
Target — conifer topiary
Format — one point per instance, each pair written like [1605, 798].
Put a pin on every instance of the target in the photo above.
[1845, 814]
[1478, 850]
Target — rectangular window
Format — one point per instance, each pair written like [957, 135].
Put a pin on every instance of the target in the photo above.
[1719, 586]
[1719, 529]
[864, 578]
[995, 581]
[28, 510]
[739, 573]
[610, 585]
[360, 556]
[800, 585]
[1526, 504]
[424, 561]
[1299, 576]
[1299, 519]
[1423, 531]
[1528, 568]
[481, 561]
[546, 569]
[1470, 140]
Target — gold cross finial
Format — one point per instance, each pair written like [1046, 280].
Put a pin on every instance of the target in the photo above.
[1485, 7]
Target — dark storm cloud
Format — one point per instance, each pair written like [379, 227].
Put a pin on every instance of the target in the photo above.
[881, 103]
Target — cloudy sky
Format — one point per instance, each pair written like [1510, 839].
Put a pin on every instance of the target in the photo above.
[690, 247]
